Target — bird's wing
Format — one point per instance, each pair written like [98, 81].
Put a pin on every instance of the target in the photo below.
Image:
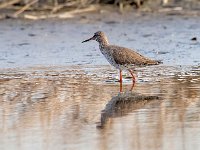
[125, 56]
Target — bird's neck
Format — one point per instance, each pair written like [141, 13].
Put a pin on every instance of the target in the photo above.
[103, 42]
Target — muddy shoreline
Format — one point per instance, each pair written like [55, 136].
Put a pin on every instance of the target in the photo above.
[55, 42]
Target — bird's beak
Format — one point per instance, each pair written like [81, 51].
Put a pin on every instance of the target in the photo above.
[92, 38]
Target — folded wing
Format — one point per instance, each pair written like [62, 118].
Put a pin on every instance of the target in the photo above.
[125, 56]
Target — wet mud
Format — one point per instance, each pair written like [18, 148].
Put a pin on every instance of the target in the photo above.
[58, 42]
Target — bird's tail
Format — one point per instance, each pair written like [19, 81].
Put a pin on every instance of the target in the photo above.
[159, 62]
[154, 62]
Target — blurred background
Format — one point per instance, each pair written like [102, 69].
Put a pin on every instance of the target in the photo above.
[7, 7]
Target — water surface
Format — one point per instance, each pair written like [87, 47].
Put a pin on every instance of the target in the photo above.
[59, 108]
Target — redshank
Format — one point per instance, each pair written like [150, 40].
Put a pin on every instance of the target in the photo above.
[120, 57]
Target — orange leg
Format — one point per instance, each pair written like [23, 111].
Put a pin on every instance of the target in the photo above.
[133, 79]
[120, 80]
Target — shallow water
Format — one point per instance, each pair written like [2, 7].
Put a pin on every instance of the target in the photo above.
[59, 108]
[53, 88]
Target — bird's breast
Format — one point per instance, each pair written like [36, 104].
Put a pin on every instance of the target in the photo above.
[108, 55]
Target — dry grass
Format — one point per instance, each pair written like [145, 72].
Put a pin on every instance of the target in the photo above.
[56, 5]
[52, 7]
[21, 8]
[49, 4]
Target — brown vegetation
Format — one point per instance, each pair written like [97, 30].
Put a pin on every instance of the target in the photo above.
[14, 8]
[17, 8]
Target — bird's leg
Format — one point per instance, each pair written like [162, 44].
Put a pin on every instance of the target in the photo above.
[133, 79]
[120, 80]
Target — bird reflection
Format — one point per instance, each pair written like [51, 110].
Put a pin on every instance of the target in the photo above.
[123, 104]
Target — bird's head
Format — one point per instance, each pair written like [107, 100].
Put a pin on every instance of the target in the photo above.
[99, 37]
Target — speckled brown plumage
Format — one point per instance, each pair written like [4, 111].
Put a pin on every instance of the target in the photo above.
[121, 57]
[128, 58]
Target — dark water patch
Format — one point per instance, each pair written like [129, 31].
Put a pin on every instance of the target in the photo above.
[162, 52]
[23, 44]
[111, 22]
[31, 34]
[147, 35]
[194, 39]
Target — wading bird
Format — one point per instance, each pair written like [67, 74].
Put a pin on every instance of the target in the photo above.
[120, 57]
